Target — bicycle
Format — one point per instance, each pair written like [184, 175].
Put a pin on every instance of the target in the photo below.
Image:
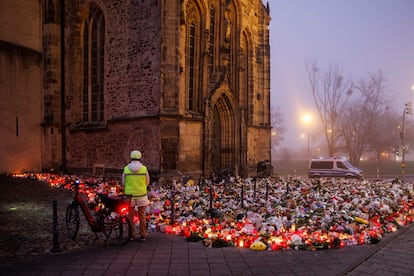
[110, 218]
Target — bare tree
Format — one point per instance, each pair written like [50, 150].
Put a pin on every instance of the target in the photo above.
[362, 119]
[385, 135]
[352, 122]
[330, 93]
[278, 127]
[409, 133]
[285, 154]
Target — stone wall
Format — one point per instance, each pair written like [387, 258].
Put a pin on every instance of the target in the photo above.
[191, 145]
[259, 148]
[132, 88]
[20, 23]
[52, 87]
[20, 86]
[146, 79]
[110, 147]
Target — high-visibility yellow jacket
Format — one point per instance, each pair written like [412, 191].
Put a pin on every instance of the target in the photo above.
[135, 181]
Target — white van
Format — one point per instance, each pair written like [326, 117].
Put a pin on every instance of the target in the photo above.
[332, 167]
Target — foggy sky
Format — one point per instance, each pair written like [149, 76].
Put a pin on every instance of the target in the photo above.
[360, 36]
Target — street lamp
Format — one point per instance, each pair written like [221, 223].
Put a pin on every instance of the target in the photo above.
[408, 109]
[307, 120]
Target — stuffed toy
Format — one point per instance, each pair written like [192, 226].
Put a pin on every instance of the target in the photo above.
[258, 246]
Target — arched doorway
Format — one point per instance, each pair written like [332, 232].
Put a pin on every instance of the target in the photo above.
[222, 148]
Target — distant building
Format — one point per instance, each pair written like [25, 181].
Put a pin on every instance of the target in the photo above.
[185, 82]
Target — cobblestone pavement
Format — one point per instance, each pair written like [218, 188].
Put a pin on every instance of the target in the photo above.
[393, 257]
[165, 254]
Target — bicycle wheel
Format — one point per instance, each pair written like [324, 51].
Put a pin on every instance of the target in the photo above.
[117, 229]
[72, 220]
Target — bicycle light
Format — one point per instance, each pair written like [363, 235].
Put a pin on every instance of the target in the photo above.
[123, 209]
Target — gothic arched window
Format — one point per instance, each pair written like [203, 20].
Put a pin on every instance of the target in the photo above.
[211, 41]
[192, 49]
[93, 42]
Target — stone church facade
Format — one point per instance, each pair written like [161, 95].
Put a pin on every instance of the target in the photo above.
[186, 82]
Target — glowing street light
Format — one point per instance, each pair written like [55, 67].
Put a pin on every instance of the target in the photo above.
[307, 121]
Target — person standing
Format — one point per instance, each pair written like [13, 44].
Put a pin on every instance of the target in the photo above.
[135, 180]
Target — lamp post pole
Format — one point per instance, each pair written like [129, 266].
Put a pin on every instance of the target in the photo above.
[403, 148]
[407, 110]
[307, 119]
